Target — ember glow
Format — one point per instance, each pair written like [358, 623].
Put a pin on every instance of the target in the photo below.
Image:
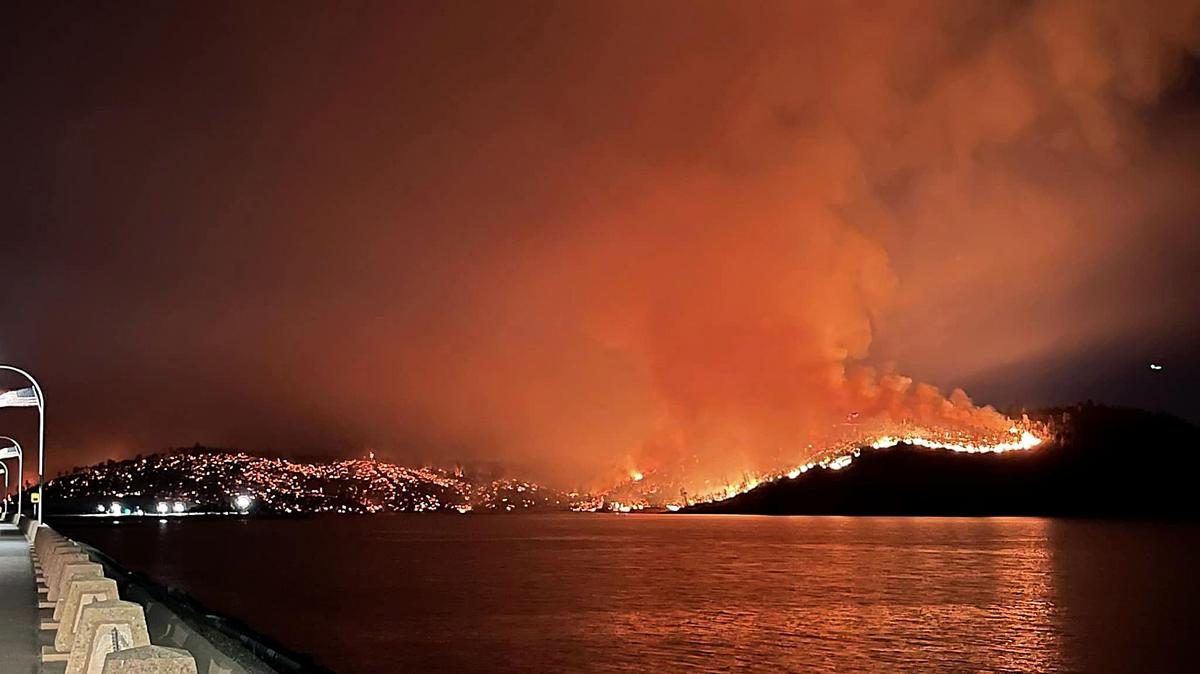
[1026, 440]
[653, 493]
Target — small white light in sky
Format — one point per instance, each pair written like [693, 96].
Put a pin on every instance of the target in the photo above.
[1155, 366]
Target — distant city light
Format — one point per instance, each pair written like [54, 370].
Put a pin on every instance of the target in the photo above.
[1155, 366]
[243, 502]
[280, 485]
[163, 508]
[115, 508]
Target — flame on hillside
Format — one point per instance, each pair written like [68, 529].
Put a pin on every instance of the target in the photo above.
[663, 489]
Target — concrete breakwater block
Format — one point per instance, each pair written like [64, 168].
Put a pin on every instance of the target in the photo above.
[48, 538]
[50, 560]
[73, 572]
[46, 560]
[105, 627]
[54, 581]
[46, 554]
[83, 593]
[48, 541]
[150, 660]
[36, 530]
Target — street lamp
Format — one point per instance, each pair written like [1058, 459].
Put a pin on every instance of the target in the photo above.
[8, 453]
[5, 489]
[41, 405]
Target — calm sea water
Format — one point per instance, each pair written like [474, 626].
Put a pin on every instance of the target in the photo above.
[579, 593]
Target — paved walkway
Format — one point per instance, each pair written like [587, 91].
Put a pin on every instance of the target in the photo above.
[18, 604]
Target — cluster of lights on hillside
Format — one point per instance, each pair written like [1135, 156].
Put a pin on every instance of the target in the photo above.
[232, 483]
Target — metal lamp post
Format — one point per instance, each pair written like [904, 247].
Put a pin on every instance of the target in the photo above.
[8, 453]
[41, 405]
[5, 488]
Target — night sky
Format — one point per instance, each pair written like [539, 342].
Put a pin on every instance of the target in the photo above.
[559, 234]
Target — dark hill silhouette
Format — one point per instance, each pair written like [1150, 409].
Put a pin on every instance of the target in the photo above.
[1103, 462]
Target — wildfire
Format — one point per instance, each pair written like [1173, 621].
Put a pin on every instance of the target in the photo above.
[1026, 440]
[642, 491]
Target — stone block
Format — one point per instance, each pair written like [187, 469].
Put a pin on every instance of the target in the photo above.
[55, 576]
[81, 593]
[150, 660]
[105, 627]
[49, 537]
[49, 540]
[49, 554]
[71, 573]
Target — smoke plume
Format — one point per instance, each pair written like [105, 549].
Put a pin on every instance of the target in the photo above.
[591, 236]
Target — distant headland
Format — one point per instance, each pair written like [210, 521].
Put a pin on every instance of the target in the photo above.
[1105, 462]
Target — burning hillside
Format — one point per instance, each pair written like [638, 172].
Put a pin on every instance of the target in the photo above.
[674, 487]
[1082, 468]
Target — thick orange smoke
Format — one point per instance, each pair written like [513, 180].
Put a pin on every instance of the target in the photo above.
[711, 297]
[590, 238]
